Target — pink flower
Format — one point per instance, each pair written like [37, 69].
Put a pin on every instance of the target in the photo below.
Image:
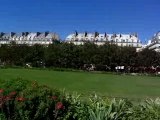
[20, 99]
[59, 106]
[1, 91]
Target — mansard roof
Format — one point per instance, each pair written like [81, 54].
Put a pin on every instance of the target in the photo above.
[158, 33]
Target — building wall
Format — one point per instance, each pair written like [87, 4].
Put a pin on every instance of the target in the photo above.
[28, 38]
[155, 42]
[119, 39]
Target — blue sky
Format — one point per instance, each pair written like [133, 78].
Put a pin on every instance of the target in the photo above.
[66, 16]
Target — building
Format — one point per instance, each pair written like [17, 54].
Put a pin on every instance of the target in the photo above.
[131, 40]
[154, 43]
[29, 38]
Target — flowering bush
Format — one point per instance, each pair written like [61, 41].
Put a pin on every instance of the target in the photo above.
[31, 101]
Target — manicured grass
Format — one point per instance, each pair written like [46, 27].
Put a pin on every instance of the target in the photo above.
[87, 83]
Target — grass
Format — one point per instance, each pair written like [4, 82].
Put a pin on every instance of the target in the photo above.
[126, 86]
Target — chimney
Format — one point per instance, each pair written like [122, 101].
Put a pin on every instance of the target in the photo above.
[1, 34]
[46, 33]
[38, 33]
[26, 33]
[12, 34]
[23, 33]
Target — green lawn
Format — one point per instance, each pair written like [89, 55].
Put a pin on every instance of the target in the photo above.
[87, 83]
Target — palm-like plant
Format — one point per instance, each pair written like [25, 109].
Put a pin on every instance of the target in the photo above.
[116, 110]
[148, 110]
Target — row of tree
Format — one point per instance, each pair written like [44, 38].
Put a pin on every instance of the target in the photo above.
[65, 55]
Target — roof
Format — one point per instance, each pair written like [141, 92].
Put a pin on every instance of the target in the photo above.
[158, 33]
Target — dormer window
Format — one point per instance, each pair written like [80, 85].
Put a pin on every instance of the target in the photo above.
[76, 39]
[126, 40]
[123, 40]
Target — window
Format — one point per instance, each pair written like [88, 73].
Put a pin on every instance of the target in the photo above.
[123, 40]
[126, 40]
[112, 41]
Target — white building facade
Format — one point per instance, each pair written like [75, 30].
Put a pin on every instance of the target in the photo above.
[131, 40]
[28, 38]
[154, 43]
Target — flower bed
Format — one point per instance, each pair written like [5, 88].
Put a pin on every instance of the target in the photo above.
[26, 100]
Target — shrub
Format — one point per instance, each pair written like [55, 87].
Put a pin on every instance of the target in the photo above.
[77, 109]
[31, 101]
[14, 85]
